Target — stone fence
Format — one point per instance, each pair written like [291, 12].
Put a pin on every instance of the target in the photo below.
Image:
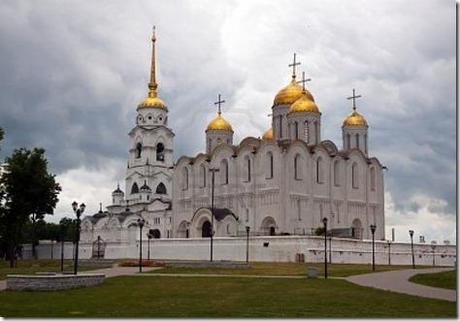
[52, 282]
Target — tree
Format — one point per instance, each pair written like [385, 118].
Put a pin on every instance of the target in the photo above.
[30, 192]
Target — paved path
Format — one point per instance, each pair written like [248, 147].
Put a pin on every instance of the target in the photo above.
[398, 281]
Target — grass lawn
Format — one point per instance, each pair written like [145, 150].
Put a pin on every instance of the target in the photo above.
[149, 296]
[270, 268]
[447, 280]
[32, 266]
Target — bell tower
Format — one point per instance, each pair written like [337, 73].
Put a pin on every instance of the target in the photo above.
[150, 159]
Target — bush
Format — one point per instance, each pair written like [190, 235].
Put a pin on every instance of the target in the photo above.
[147, 263]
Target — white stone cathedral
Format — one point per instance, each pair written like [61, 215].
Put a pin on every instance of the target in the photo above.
[284, 183]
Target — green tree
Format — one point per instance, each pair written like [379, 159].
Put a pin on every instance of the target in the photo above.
[30, 193]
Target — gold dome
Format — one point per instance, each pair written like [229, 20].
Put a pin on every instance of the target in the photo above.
[304, 104]
[355, 119]
[219, 123]
[290, 94]
[152, 101]
[268, 135]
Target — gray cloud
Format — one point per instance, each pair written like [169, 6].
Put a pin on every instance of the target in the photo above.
[72, 73]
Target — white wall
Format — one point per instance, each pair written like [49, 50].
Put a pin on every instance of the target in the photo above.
[280, 249]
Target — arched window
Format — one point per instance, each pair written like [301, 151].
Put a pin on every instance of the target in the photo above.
[224, 172]
[348, 141]
[357, 140]
[185, 178]
[248, 169]
[297, 168]
[306, 132]
[138, 150]
[160, 152]
[134, 189]
[161, 189]
[319, 170]
[269, 165]
[354, 175]
[203, 176]
[336, 173]
[299, 210]
[373, 178]
[296, 127]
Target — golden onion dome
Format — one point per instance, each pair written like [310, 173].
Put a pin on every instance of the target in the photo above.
[153, 101]
[290, 94]
[219, 123]
[355, 119]
[268, 135]
[304, 104]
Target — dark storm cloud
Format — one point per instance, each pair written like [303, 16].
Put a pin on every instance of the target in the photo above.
[72, 73]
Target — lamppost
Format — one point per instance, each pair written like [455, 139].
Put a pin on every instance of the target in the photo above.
[411, 234]
[433, 248]
[149, 237]
[78, 211]
[325, 246]
[247, 243]
[213, 171]
[373, 227]
[330, 248]
[140, 222]
[61, 232]
[389, 252]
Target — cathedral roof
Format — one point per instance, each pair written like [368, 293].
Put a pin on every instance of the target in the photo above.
[219, 123]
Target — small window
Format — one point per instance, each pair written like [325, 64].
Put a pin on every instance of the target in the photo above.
[372, 178]
[336, 173]
[161, 189]
[297, 168]
[269, 165]
[354, 175]
[138, 150]
[134, 189]
[185, 178]
[160, 152]
[319, 170]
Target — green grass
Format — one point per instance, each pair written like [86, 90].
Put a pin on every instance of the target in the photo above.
[32, 266]
[270, 268]
[446, 280]
[150, 296]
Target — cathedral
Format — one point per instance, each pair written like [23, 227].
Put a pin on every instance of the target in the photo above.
[282, 183]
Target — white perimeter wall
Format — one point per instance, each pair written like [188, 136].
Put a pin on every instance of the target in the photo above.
[279, 249]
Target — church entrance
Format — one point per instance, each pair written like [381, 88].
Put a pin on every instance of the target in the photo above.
[98, 248]
[156, 234]
[357, 229]
[272, 230]
[206, 229]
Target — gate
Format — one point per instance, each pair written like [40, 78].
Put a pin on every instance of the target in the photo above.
[98, 248]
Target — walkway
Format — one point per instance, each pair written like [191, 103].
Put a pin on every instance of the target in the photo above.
[398, 281]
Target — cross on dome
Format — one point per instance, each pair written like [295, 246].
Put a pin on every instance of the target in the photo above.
[219, 102]
[293, 65]
[354, 97]
[304, 80]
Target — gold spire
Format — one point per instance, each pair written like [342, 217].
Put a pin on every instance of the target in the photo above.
[219, 123]
[152, 99]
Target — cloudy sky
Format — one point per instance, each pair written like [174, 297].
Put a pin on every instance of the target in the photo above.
[72, 73]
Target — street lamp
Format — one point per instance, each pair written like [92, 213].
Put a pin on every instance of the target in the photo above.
[140, 222]
[213, 171]
[78, 211]
[247, 243]
[149, 237]
[433, 248]
[373, 227]
[411, 234]
[389, 252]
[61, 232]
[325, 246]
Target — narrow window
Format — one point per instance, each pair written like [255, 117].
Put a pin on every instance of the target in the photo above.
[348, 141]
[185, 178]
[138, 150]
[365, 143]
[248, 165]
[281, 126]
[247, 215]
[296, 126]
[160, 152]
[224, 172]
[297, 169]
[373, 178]
[299, 210]
[357, 141]
[269, 165]
[134, 189]
[203, 175]
[316, 132]
[336, 173]
[319, 171]
[354, 175]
